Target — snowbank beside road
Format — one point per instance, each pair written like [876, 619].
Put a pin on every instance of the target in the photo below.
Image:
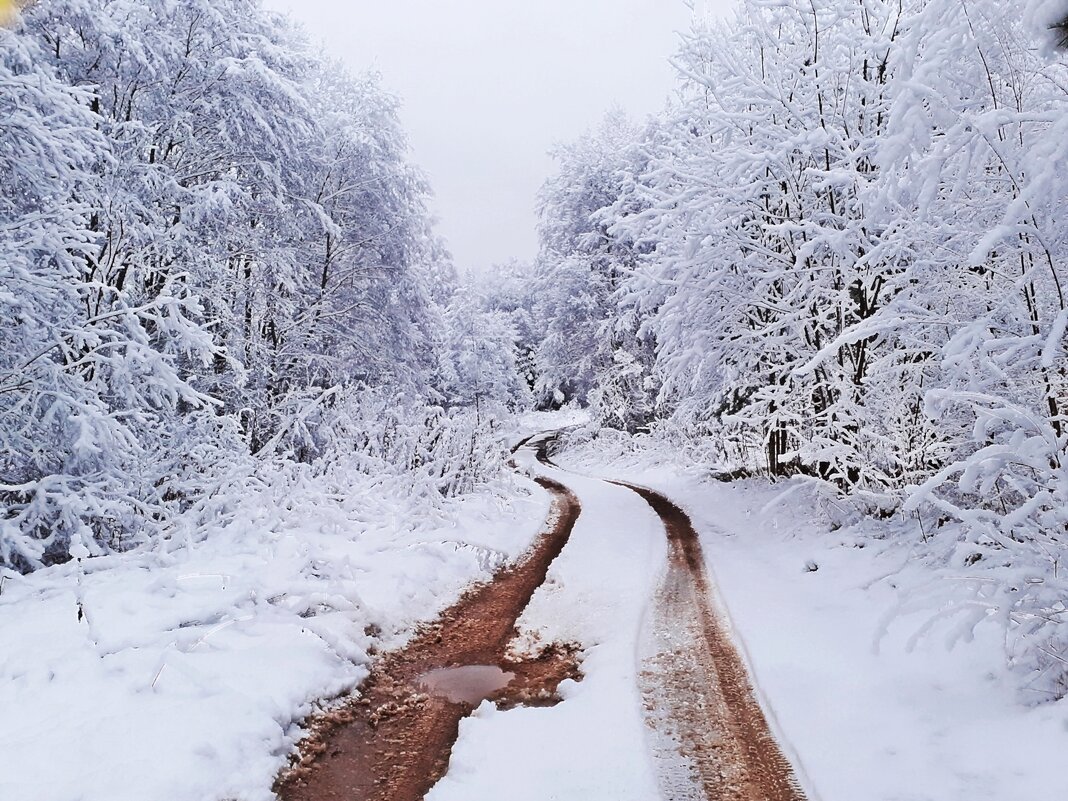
[870, 709]
[181, 675]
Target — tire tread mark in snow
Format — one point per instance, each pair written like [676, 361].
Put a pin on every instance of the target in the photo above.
[711, 713]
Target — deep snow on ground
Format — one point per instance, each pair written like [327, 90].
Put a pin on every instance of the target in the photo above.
[861, 711]
[184, 677]
[188, 669]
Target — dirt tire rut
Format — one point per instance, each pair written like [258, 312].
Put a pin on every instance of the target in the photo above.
[710, 736]
[392, 741]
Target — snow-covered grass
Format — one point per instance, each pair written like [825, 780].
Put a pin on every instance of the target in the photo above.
[180, 674]
[875, 694]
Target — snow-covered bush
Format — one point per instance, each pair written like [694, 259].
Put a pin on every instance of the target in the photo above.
[444, 453]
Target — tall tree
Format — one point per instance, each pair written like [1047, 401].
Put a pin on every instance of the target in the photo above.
[591, 350]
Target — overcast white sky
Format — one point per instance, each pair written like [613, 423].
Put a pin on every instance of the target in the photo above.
[490, 85]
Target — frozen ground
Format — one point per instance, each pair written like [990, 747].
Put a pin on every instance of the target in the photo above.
[179, 675]
[865, 707]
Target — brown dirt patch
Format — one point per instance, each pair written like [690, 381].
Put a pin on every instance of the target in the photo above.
[696, 687]
[537, 679]
[393, 741]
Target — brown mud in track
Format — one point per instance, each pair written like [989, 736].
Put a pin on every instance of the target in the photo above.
[393, 742]
[711, 738]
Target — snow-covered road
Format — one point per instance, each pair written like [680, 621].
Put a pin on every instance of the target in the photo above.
[593, 745]
[664, 710]
[830, 621]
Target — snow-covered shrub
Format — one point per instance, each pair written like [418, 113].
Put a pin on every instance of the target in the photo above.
[444, 453]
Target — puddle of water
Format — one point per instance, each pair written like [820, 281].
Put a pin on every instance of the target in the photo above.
[467, 684]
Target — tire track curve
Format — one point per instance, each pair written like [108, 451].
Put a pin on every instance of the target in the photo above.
[709, 736]
[392, 741]
[696, 687]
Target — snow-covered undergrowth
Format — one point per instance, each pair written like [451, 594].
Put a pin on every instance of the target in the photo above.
[852, 627]
[180, 672]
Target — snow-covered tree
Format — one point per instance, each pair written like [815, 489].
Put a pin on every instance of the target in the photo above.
[210, 237]
[845, 242]
[591, 349]
[482, 352]
[976, 169]
[90, 383]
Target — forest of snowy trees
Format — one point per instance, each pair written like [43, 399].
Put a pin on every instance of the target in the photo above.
[841, 255]
[837, 255]
[213, 254]
[273, 474]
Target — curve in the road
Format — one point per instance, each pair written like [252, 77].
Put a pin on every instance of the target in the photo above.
[711, 736]
[393, 741]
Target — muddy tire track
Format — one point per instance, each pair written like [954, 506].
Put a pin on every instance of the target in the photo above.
[392, 742]
[710, 736]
